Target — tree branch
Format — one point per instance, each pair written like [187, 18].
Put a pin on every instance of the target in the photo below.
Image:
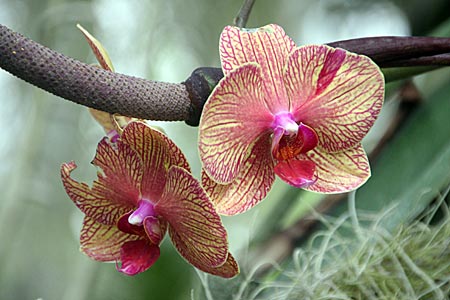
[387, 51]
[244, 13]
[89, 85]
[136, 97]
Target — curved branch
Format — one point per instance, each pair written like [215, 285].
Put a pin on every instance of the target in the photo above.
[244, 13]
[136, 97]
[385, 51]
[89, 85]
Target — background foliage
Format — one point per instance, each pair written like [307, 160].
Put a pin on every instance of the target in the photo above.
[166, 40]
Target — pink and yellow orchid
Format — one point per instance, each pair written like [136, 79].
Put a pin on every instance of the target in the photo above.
[143, 190]
[298, 112]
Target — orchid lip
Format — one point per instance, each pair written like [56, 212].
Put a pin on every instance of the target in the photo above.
[145, 209]
[285, 120]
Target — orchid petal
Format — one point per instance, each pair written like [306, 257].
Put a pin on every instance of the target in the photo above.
[102, 242]
[110, 122]
[336, 92]
[194, 226]
[155, 228]
[122, 171]
[250, 186]
[139, 130]
[298, 173]
[267, 46]
[98, 49]
[114, 193]
[104, 119]
[233, 118]
[308, 137]
[339, 172]
[228, 270]
[157, 154]
[137, 256]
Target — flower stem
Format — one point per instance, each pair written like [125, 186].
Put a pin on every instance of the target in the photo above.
[243, 14]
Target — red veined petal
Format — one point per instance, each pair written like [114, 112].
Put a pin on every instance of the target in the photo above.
[105, 201]
[98, 49]
[122, 171]
[177, 157]
[228, 270]
[102, 242]
[339, 172]
[137, 256]
[298, 173]
[337, 93]
[157, 153]
[250, 186]
[268, 46]
[194, 226]
[233, 118]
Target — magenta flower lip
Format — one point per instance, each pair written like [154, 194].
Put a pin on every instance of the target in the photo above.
[297, 112]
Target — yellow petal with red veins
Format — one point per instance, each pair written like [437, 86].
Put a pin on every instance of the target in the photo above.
[122, 171]
[233, 118]
[339, 172]
[103, 242]
[116, 192]
[251, 185]
[267, 46]
[228, 270]
[337, 93]
[98, 49]
[194, 226]
[157, 153]
[104, 119]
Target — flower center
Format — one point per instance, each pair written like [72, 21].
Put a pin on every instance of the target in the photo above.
[145, 209]
[291, 139]
[285, 121]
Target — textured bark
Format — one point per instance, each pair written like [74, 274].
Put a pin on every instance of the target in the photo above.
[89, 85]
[136, 97]
[385, 51]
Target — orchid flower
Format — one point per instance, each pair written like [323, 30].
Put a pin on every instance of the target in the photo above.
[297, 112]
[145, 189]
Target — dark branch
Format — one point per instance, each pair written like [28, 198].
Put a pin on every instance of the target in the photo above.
[432, 60]
[126, 95]
[244, 13]
[385, 51]
[89, 85]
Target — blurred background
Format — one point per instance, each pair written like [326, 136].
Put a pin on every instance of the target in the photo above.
[160, 40]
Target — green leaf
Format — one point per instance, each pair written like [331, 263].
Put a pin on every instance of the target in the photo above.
[394, 74]
[414, 167]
